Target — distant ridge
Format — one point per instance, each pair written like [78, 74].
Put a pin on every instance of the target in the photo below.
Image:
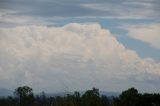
[5, 92]
[105, 93]
[109, 93]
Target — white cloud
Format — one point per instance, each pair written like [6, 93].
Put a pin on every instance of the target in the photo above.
[149, 34]
[73, 57]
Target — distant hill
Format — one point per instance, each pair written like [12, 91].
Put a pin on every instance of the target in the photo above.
[5, 92]
[109, 94]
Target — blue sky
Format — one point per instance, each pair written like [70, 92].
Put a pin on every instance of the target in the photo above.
[135, 26]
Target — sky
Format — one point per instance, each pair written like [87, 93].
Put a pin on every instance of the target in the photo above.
[68, 45]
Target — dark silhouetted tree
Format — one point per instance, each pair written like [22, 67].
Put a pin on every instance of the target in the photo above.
[91, 98]
[25, 96]
[129, 97]
[105, 101]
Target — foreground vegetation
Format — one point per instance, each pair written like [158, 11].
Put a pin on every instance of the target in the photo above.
[25, 97]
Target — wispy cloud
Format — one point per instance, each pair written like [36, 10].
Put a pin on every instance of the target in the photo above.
[131, 10]
[10, 18]
[145, 33]
[137, 9]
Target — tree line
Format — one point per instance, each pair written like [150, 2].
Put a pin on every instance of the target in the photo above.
[24, 97]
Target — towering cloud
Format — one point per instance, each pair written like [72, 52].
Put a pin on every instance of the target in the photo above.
[73, 57]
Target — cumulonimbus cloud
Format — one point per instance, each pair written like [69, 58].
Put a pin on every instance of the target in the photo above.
[72, 57]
